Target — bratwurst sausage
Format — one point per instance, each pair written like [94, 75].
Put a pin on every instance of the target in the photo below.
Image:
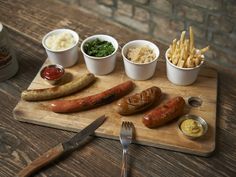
[58, 91]
[165, 113]
[80, 104]
[139, 101]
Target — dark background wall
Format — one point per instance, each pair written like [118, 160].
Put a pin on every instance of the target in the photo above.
[214, 21]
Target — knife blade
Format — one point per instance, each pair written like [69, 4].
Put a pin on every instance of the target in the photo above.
[54, 153]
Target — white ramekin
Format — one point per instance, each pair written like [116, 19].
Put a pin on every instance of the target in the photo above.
[100, 65]
[181, 76]
[66, 57]
[140, 71]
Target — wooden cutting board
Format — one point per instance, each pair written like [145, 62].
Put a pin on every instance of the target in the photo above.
[166, 137]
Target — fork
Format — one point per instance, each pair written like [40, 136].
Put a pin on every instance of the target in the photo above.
[126, 136]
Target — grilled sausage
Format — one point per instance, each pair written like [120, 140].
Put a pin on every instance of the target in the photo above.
[58, 91]
[165, 113]
[80, 104]
[139, 101]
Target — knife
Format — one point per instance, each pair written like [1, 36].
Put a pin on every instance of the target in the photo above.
[60, 149]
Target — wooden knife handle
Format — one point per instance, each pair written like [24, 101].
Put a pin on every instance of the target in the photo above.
[41, 161]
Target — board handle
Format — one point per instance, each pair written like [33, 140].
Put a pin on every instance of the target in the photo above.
[41, 161]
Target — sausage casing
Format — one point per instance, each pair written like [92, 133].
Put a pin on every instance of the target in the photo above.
[165, 113]
[139, 101]
[58, 91]
[80, 104]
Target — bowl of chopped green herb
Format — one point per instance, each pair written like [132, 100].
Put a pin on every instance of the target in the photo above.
[99, 53]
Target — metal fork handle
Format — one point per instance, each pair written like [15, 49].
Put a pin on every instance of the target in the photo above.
[124, 164]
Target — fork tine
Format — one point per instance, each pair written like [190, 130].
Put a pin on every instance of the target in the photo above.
[130, 126]
[131, 129]
[123, 127]
[127, 126]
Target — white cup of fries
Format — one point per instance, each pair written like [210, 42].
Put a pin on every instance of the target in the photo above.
[183, 60]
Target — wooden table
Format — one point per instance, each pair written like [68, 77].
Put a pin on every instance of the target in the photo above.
[20, 143]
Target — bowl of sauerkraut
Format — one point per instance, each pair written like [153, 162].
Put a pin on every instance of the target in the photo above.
[140, 59]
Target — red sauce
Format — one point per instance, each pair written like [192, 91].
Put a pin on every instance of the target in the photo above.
[52, 73]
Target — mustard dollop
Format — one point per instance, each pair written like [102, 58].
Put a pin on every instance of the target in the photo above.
[191, 127]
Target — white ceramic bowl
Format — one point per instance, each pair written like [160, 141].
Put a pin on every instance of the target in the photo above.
[65, 57]
[100, 65]
[140, 71]
[181, 76]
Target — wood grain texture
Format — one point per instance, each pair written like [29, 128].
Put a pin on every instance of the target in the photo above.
[41, 161]
[166, 137]
[20, 143]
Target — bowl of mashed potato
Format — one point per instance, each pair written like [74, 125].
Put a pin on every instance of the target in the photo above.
[61, 46]
[140, 59]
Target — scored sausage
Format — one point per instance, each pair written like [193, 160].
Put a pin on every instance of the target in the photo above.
[58, 91]
[165, 113]
[139, 101]
[80, 104]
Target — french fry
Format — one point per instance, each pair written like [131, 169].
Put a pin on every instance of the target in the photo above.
[191, 38]
[189, 62]
[173, 54]
[197, 55]
[178, 54]
[176, 57]
[182, 53]
[186, 43]
[174, 44]
[181, 63]
[193, 51]
[169, 55]
[186, 48]
[204, 49]
[182, 37]
[171, 49]
[178, 44]
[174, 61]
[197, 61]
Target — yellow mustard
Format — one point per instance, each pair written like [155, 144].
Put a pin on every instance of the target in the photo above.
[191, 128]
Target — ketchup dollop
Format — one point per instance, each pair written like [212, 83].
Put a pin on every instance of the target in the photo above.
[52, 72]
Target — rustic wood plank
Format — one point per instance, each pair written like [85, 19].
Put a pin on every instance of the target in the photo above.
[100, 157]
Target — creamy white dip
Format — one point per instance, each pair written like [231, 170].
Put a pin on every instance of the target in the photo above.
[60, 41]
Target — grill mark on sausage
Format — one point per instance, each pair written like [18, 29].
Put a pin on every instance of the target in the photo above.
[139, 101]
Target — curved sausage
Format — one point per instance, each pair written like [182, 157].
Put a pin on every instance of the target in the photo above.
[80, 104]
[139, 101]
[165, 113]
[58, 91]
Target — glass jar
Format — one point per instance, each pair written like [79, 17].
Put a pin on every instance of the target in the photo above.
[8, 62]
